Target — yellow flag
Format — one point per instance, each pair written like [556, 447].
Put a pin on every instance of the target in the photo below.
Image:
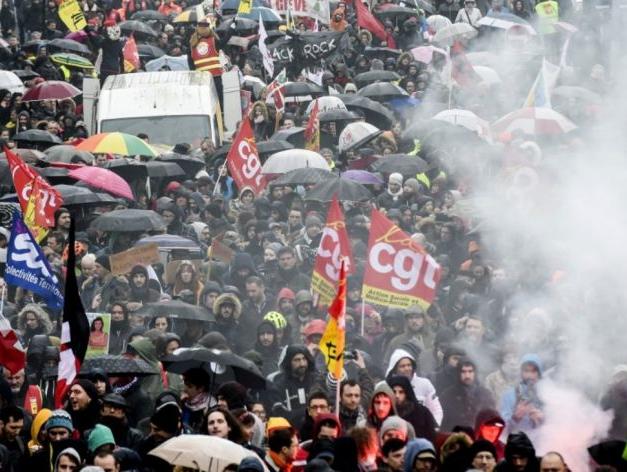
[245, 7]
[39, 232]
[71, 14]
[333, 340]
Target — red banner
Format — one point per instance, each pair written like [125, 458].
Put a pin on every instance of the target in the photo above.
[49, 200]
[243, 160]
[131, 55]
[399, 272]
[334, 246]
[22, 177]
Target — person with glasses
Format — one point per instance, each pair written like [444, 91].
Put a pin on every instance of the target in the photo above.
[317, 404]
[470, 14]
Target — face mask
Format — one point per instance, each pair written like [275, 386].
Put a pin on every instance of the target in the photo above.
[113, 32]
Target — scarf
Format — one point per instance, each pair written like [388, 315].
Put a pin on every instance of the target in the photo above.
[280, 463]
[124, 388]
[199, 402]
[395, 195]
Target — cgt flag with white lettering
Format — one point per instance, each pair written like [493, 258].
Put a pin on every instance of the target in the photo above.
[399, 272]
[243, 160]
[333, 248]
[27, 267]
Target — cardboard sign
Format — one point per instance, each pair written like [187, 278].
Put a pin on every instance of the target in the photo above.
[123, 262]
[72, 16]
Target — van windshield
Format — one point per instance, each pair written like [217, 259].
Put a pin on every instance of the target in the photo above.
[169, 130]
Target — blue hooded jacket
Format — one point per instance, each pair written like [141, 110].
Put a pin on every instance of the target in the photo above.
[521, 391]
[415, 447]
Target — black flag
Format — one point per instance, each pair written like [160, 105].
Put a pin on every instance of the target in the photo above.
[75, 328]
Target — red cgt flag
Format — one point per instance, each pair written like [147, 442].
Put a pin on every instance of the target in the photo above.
[399, 272]
[243, 160]
[22, 177]
[131, 55]
[334, 247]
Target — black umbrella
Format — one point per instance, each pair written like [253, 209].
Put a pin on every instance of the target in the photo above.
[238, 25]
[30, 156]
[128, 221]
[396, 12]
[423, 4]
[382, 53]
[68, 154]
[149, 15]
[265, 148]
[346, 191]
[610, 452]
[304, 176]
[375, 113]
[118, 366]
[164, 169]
[301, 89]
[372, 76]
[149, 51]
[55, 175]
[37, 136]
[138, 29]
[337, 115]
[34, 45]
[296, 136]
[26, 74]
[75, 195]
[403, 164]
[382, 91]
[216, 363]
[69, 45]
[128, 169]
[6, 180]
[176, 309]
[190, 165]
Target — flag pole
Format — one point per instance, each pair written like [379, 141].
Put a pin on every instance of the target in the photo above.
[4, 287]
[363, 315]
[338, 384]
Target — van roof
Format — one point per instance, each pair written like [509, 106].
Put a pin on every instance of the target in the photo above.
[142, 79]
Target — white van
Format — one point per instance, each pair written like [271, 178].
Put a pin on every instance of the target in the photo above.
[171, 107]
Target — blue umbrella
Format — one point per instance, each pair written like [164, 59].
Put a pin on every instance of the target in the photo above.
[267, 15]
[401, 104]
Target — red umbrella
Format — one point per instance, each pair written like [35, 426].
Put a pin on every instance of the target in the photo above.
[51, 90]
[103, 179]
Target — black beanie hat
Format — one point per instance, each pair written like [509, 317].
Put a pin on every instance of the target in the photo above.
[89, 387]
[167, 418]
[233, 393]
[104, 262]
[481, 445]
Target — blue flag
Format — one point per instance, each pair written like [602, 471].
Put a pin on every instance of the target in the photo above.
[27, 267]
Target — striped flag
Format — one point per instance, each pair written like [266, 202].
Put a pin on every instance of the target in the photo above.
[540, 94]
[268, 63]
[312, 130]
[333, 340]
[74, 330]
[276, 91]
[11, 350]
